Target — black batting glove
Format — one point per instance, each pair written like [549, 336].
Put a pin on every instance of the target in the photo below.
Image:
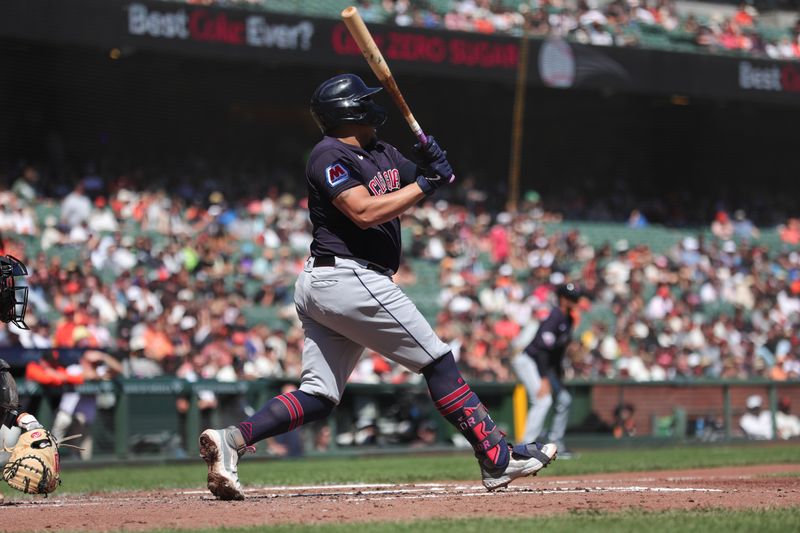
[428, 152]
[435, 169]
[435, 176]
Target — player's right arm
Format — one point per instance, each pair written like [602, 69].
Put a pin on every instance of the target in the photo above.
[366, 210]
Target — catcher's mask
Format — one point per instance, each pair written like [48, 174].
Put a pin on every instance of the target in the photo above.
[13, 298]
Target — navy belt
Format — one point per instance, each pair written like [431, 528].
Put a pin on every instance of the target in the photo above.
[330, 260]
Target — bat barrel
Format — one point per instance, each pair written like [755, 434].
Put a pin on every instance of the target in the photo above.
[372, 54]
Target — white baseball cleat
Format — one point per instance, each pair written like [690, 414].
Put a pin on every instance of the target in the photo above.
[524, 460]
[221, 450]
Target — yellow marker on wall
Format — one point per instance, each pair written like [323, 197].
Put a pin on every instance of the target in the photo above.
[520, 403]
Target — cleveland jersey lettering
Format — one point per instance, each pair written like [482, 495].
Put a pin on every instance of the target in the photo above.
[383, 182]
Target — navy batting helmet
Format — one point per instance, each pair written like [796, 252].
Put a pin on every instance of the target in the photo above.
[569, 291]
[345, 98]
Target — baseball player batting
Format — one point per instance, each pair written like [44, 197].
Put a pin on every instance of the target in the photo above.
[358, 186]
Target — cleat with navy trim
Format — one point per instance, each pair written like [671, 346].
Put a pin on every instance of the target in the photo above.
[221, 450]
[524, 460]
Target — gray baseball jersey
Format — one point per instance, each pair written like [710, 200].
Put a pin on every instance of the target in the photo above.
[345, 296]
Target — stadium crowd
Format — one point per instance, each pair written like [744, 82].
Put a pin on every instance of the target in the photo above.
[611, 23]
[204, 289]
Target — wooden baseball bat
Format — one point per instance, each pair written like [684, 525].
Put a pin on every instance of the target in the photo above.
[355, 24]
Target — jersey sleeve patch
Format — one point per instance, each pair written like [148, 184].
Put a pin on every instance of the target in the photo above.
[336, 174]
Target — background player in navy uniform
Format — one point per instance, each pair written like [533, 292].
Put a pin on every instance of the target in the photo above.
[358, 186]
[540, 369]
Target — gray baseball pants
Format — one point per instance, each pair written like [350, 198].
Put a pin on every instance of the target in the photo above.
[348, 307]
[528, 374]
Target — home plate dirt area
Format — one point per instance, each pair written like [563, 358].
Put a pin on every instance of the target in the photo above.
[735, 487]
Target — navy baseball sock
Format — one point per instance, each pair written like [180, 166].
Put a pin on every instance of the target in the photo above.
[283, 413]
[462, 408]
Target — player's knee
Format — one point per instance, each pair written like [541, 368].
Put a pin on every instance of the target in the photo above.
[533, 396]
[564, 398]
[544, 402]
[445, 365]
[315, 406]
[326, 407]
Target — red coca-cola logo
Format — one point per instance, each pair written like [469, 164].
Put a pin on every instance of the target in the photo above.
[205, 26]
[790, 78]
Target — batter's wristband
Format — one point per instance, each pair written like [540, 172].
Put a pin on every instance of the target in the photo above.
[425, 185]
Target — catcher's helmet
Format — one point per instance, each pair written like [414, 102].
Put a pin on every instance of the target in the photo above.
[569, 291]
[345, 98]
[13, 299]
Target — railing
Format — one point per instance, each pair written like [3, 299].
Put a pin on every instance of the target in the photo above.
[143, 408]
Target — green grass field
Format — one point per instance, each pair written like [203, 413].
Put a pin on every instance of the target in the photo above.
[707, 521]
[414, 468]
[461, 466]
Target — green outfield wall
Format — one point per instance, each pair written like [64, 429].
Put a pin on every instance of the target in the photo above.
[162, 417]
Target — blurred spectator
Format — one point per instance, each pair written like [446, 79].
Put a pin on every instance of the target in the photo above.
[788, 424]
[624, 425]
[77, 411]
[75, 208]
[371, 11]
[722, 227]
[637, 219]
[53, 377]
[137, 365]
[24, 187]
[743, 228]
[64, 333]
[49, 372]
[744, 15]
[756, 422]
[790, 232]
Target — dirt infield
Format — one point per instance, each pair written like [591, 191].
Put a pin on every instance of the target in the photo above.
[741, 487]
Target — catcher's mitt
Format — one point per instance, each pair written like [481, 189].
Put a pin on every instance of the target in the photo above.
[33, 466]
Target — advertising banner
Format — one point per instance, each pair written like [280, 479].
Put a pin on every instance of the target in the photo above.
[277, 39]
